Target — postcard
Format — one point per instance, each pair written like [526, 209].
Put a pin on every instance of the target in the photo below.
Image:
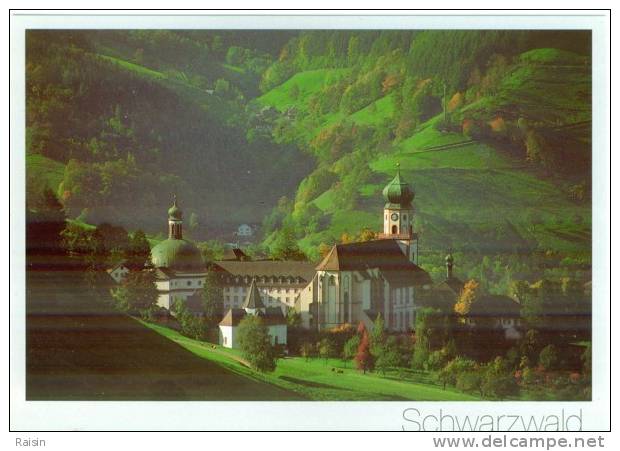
[308, 217]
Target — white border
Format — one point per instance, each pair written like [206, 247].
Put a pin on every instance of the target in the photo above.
[39, 415]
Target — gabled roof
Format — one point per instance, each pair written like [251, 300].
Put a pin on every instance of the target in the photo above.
[234, 254]
[454, 284]
[117, 265]
[267, 268]
[496, 305]
[386, 255]
[253, 298]
[233, 317]
[273, 316]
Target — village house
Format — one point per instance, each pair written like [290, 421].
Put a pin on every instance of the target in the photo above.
[272, 317]
[118, 272]
[488, 312]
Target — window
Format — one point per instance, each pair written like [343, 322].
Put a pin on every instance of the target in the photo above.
[225, 339]
[394, 229]
[189, 283]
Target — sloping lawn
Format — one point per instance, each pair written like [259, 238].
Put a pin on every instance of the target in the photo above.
[321, 380]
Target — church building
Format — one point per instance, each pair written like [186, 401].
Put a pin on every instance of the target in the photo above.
[253, 304]
[179, 269]
[359, 281]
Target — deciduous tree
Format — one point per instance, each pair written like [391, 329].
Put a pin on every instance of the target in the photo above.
[255, 344]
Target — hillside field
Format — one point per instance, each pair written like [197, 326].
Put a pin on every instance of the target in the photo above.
[315, 380]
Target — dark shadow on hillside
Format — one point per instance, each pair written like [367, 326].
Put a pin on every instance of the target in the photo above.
[78, 348]
[311, 384]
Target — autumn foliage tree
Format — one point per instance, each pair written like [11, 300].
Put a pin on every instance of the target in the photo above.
[363, 358]
[467, 297]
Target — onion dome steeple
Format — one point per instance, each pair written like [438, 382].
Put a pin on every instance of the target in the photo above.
[175, 212]
[449, 265]
[175, 221]
[397, 193]
[176, 253]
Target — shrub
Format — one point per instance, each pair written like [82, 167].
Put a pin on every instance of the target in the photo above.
[499, 382]
[420, 357]
[449, 373]
[388, 355]
[469, 381]
[548, 358]
[586, 359]
[350, 348]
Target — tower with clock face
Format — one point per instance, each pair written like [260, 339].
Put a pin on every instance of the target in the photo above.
[398, 216]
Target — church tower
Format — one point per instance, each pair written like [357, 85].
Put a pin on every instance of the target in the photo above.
[175, 221]
[398, 215]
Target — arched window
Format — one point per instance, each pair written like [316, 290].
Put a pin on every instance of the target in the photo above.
[332, 280]
[394, 229]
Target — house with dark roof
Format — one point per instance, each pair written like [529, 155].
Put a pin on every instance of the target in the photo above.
[253, 304]
[488, 312]
[359, 281]
[119, 271]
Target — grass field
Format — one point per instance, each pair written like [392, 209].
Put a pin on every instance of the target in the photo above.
[308, 82]
[315, 380]
[142, 70]
[78, 348]
[375, 113]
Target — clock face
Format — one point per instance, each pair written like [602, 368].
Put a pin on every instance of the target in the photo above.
[394, 216]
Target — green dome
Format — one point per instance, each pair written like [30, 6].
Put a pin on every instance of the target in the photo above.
[398, 192]
[177, 254]
[175, 212]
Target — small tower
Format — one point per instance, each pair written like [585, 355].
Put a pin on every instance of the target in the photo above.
[175, 221]
[398, 215]
[449, 265]
[253, 303]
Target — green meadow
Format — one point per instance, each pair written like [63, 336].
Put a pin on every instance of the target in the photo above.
[322, 380]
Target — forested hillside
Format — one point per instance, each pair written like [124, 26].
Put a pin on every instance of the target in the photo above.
[119, 121]
[502, 176]
[301, 130]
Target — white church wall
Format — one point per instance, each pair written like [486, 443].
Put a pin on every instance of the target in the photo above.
[228, 336]
[163, 300]
[306, 297]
